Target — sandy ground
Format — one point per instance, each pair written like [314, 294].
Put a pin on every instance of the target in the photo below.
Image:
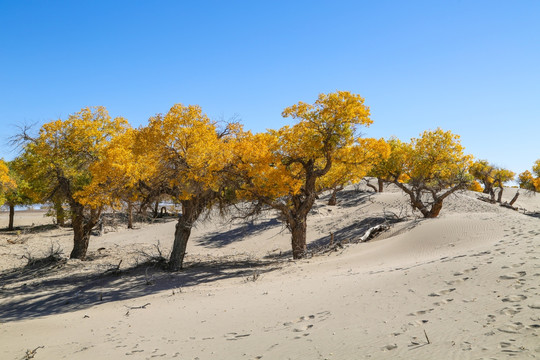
[463, 286]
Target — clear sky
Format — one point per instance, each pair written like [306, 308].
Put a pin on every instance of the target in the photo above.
[472, 67]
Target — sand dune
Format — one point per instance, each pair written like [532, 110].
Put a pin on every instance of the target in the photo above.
[463, 286]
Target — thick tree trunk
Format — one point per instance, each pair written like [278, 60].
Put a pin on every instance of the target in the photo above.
[82, 229]
[190, 212]
[499, 195]
[298, 228]
[11, 216]
[130, 215]
[435, 210]
[381, 184]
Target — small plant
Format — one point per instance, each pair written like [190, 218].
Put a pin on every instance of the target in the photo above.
[255, 275]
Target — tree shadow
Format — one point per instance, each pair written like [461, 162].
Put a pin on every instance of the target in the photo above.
[347, 198]
[220, 239]
[30, 229]
[56, 287]
[532, 214]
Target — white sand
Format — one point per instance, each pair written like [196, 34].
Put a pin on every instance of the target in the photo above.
[469, 280]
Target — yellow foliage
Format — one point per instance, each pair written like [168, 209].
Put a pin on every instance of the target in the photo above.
[475, 186]
[6, 182]
[318, 151]
[436, 160]
[61, 158]
[184, 151]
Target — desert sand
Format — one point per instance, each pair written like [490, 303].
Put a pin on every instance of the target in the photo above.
[462, 286]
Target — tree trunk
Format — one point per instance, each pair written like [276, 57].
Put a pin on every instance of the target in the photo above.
[381, 184]
[190, 213]
[11, 216]
[499, 195]
[155, 210]
[130, 214]
[514, 198]
[435, 210]
[371, 186]
[60, 213]
[82, 229]
[80, 237]
[333, 198]
[298, 227]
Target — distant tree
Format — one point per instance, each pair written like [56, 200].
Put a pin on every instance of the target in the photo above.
[286, 169]
[352, 165]
[526, 181]
[492, 177]
[483, 171]
[475, 186]
[18, 194]
[429, 169]
[500, 177]
[379, 171]
[7, 184]
[58, 165]
[530, 181]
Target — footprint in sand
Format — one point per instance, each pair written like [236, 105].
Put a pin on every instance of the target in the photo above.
[511, 310]
[442, 292]
[514, 298]
[299, 326]
[420, 312]
[514, 275]
[453, 282]
[442, 302]
[233, 336]
[511, 328]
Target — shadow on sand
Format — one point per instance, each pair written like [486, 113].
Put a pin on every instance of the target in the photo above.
[54, 286]
[219, 239]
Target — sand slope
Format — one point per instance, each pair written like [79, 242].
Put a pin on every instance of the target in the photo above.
[468, 280]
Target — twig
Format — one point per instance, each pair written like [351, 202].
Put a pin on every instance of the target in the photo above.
[429, 342]
[138, 307]
[31, 353]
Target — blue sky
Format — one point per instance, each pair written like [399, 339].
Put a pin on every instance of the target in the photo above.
[472, 67]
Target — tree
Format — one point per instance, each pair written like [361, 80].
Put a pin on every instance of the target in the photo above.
[186, 157]
[383, 164]
[58, 165]
[492, 177]
[435, 167]
[17, 194]
[284, 169]
[530, 181]
[483, 171]
[6, 182]
[500, 177]
[352, 165]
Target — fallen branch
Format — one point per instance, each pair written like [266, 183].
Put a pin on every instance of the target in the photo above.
[371, 232]
[506, 205]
